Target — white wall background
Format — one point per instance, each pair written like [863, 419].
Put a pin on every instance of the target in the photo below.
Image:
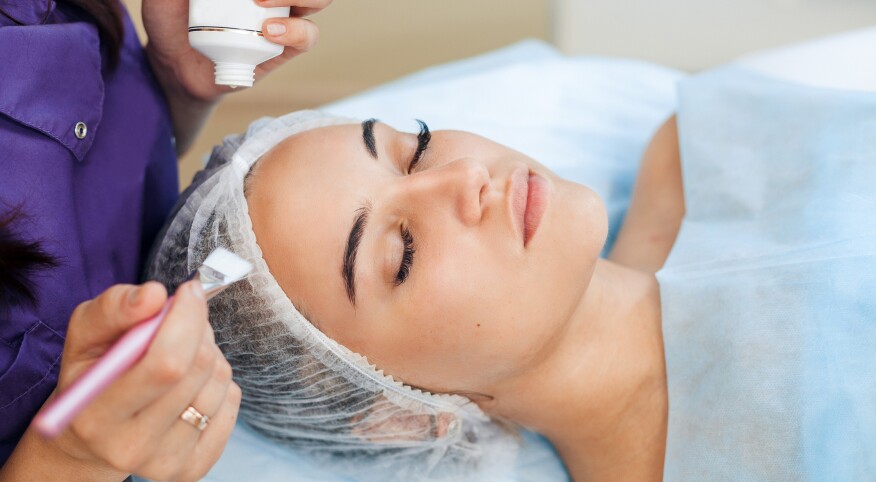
[696, 34]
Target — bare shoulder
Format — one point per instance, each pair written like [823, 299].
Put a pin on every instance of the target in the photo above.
[657, 206]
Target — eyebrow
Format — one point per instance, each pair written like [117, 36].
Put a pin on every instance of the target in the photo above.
[368, 137]
[348, 270]
[351, 250]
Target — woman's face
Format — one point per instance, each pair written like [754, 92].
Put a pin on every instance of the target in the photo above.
[428, 272]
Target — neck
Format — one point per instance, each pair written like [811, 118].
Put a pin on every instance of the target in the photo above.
[601, 396]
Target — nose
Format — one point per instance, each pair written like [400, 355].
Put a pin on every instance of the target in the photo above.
[461, 184]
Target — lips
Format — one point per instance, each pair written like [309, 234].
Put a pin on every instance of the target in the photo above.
[528, 198]
[536, 202]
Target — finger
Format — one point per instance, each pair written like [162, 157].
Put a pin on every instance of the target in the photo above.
[195, 461]
[268, 66]
[169, 357]
[178, 440]
[204, 395]
[298, 33]
[162, 414]
[215, 437]
[209, 400]
[149, 436]
[98, 323]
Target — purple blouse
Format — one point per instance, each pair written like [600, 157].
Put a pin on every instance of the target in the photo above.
[88, 155]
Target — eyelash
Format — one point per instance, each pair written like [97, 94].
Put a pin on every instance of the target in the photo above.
[423, 139]
[407, 256]
[404, 268]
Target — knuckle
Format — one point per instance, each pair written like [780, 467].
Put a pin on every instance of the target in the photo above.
[79, 312]
[169, 370]
[163, 471]
[234, 394]
[209, 333]
[126, 458]
[86, 429]
[223, 372]
[205, 358]
[111, 299]
[299, 36]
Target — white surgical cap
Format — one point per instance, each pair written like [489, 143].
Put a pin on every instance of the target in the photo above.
[300, 387]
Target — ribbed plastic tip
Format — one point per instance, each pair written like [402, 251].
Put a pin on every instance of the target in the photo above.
[235, 75]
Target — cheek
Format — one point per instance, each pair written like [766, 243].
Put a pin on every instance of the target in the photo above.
[476, 314]
[441, 329]
[469, 322]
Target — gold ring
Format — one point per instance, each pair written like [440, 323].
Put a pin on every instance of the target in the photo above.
[195, 418]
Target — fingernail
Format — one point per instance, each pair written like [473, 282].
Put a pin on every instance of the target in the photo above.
[135, 295]
[197, 289]
[276, 28]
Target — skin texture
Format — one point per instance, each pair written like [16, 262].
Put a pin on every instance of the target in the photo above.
[453, 310]
[657, 206]
[547, 334]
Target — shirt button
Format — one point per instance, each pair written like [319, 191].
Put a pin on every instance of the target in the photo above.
[81, 130]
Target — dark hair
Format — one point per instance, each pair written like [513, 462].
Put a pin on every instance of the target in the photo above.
[19, 261]
[107, 14]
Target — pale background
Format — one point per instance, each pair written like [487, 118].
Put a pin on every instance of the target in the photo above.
[364, 43]
[368, 42]
[695, 34]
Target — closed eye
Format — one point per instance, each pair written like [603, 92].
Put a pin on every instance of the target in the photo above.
[404, 268]
[423, 139]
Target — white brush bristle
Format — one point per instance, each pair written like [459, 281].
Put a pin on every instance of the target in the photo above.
[231, 265]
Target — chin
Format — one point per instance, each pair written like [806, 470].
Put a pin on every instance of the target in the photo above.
[582, 217]
[583, 231]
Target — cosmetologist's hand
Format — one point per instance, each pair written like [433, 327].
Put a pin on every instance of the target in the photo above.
[134, 426]
[179, 65]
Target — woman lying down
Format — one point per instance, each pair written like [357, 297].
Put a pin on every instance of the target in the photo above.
[417, 296]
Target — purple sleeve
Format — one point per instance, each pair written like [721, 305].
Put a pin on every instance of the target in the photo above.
[94, 194]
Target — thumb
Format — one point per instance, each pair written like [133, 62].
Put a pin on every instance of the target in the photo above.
[97, 323]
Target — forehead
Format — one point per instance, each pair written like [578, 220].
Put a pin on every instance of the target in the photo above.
[321, 153]
[302, 199]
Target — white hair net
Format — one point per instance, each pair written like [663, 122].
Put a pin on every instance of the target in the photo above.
[300, 387]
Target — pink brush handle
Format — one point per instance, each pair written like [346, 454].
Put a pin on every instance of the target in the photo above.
[122, 355]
